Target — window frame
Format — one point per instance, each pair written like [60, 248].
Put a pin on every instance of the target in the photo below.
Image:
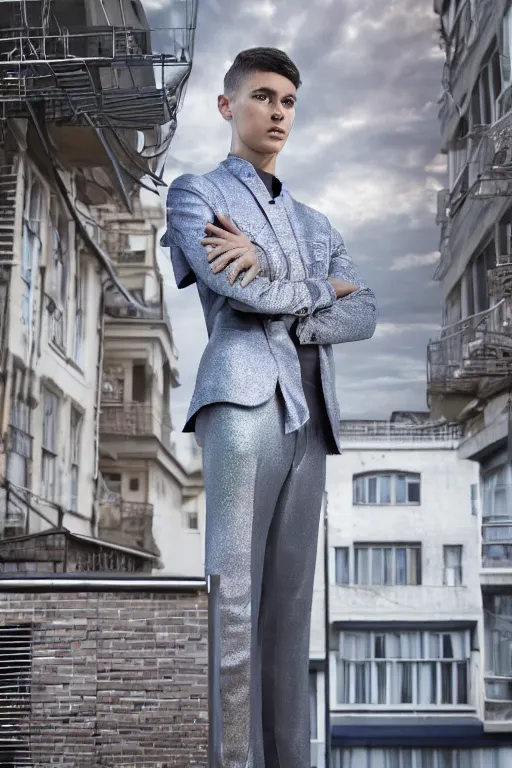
[457, 570]
[49, 446]
[394, 566]
[76, 429]
[361, 488]
[373, 680]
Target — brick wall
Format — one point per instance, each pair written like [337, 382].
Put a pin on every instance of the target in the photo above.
[115, 679]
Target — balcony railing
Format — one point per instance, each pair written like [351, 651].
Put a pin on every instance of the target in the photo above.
[8, 184]
[386, 431]
[108, 72]
[478, 346]
[126, 419]
[136, 420]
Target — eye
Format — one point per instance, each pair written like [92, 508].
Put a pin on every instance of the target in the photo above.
[260, 96]
[289, 102]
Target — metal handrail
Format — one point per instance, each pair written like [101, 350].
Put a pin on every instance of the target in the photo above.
[98, 583]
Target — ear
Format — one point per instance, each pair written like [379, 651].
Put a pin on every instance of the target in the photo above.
[224, 107]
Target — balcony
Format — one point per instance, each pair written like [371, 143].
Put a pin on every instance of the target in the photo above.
[390, 432]
[478, 347]
[132, 419]
[108, 73]
[125, 522]
[8, 185]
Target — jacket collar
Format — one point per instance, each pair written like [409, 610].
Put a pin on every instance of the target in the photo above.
[245, 171]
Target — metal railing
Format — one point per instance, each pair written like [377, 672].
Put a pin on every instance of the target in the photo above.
[126, 419]
[135, 419]
[478, 346]
[386, 431]
[90, 671]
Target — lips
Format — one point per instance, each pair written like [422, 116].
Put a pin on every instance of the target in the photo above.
[276, 132]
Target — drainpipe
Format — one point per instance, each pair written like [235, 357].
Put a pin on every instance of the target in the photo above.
[327, 676]
[99, 381]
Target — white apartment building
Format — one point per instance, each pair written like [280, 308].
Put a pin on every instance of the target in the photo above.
[405, 624]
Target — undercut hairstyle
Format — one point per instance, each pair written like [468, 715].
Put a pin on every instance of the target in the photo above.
[259, 60]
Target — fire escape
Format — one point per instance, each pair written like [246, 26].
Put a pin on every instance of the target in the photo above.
[89, 65]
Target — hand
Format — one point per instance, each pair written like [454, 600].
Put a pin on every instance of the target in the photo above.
[341, 287]
[230, 245]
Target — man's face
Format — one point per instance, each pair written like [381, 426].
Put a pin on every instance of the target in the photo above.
[262, 112]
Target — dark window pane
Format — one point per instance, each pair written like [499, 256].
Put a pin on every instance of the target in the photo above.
[413, 492]
[446, 683]
[462, 682]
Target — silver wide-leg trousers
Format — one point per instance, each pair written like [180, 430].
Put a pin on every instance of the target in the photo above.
[263, 500]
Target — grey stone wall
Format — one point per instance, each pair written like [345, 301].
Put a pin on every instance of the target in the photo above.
[114, 679]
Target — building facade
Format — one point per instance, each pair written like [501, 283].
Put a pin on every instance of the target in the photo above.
[87, 359]
[470, 363]
[405, 630]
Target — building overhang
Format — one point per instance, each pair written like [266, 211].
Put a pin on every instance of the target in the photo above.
[447, 625]
[148, 447]
[398, 731]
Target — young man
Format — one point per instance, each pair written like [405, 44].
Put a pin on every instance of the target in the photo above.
[277, 289]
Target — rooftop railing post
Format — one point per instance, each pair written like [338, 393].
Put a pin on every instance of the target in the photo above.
[214, 703]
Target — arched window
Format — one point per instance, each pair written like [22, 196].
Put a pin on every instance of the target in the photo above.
[386, 488]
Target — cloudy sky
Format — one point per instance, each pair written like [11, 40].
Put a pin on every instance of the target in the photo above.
[363, 150]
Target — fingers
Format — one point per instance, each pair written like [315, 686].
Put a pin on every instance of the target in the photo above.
[250, 275]
[233, 255]
[211, 229]
[244, 262]
[229, 224]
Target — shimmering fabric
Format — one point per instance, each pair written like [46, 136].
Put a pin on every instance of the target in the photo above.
[263, 501]
[299, 250]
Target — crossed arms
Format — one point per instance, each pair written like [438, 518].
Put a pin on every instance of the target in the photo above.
[325, 319]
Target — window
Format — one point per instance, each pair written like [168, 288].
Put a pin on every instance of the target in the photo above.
[474, 498]
[59, 280]
[427, 669]
[76, 434]
[113, 481]
[193, 521]
[49, 455]
[78, 341]
[425, 757]
[134, 483]
[498, 646]
[386, 488]
[341, 555]
[387, 565]
[452, 557]
[31, 239]
[497, 518]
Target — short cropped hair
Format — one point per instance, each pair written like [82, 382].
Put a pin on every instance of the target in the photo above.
[259, 60]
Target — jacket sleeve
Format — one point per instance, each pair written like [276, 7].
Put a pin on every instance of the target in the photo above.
[350, 318]
[188, 212]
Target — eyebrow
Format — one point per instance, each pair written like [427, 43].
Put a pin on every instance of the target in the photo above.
[272, 92]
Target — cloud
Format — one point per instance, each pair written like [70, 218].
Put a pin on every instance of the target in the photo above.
[411, 260]
[364, 149]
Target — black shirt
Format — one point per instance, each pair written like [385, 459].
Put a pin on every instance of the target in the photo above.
[308, 354]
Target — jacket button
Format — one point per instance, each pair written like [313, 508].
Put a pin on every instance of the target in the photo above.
[313, 337]
[302, 311]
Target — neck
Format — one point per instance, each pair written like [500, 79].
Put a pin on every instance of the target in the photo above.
[257, 159]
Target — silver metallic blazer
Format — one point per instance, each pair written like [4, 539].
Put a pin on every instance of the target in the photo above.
[249, 347]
